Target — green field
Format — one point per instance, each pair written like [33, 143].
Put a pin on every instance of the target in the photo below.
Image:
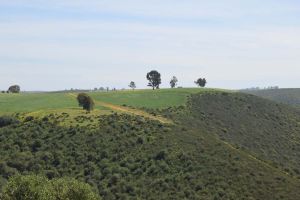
[26, 102]
[162, 98]
[63, 102]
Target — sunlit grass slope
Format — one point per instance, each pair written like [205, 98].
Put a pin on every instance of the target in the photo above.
[162, 98]
[25, 102]
[63, 102]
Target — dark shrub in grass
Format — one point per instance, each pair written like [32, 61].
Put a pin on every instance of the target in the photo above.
[85, 101]
[7, 120]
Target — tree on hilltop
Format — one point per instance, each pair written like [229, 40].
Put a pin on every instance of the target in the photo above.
[173, 82]
[14, 89]
[132, 85]
[154, 79]
[201, 82]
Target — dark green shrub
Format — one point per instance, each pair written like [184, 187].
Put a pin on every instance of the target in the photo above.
[14, 89]
[85, 101]
[161, 155]
[7, 120]
[28, 119]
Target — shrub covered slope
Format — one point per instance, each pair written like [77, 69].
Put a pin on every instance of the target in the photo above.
[286, 96]
[221, 146]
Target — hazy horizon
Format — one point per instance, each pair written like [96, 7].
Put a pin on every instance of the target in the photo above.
[57, 45]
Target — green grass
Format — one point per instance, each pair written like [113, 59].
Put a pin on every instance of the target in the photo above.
[25, 102]
[162, 98]
[39, 103]
[62, 102]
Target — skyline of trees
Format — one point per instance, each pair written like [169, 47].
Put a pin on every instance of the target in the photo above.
[153, 77]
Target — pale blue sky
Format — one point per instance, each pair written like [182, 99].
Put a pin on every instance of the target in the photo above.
[58, 44]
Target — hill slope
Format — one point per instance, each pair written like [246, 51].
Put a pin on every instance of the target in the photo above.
[286, 96]
[220, 146]
[264, 129]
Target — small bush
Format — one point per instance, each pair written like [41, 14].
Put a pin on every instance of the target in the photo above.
[7, 120]
[85, 101]
[27, 188]
[33, 187]
[28, 119]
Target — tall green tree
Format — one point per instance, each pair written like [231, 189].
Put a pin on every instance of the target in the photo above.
[85, 101]
[173, 82]
[201, 82]
[154, 79]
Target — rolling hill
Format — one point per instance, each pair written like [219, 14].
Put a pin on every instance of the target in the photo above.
[214, 144]
[286, 96]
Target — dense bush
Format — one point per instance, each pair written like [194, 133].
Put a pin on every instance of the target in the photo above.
[129, 157]
[32, 187]
[14, 89]
[7, 120]
[85, 101]
[269, 130]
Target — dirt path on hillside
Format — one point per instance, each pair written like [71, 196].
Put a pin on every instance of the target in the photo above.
[128, 110]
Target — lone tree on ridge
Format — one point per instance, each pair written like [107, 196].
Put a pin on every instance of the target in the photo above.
[154, 79]
[132, 85]
[173, 82]
[201, 82]
[14, 89]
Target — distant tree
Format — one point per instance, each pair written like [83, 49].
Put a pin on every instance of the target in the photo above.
[201, 82]
[132, 85]
[14, 89]
[173, 82]
[85, 101]
[154, 79]
[101, 88]
[2, 91]
[95, 89]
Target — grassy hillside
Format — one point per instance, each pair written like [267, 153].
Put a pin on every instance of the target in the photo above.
[220, 146]
[64, 102]
[148, 98]
[26, 102]
[287, 96]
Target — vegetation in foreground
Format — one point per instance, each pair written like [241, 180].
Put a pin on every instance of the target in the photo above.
[32, 187]
[201, 156]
